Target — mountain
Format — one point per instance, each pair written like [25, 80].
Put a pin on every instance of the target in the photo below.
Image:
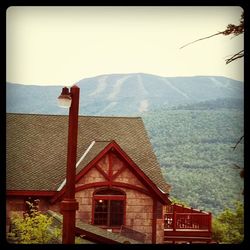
[192, 123]
[124, 94]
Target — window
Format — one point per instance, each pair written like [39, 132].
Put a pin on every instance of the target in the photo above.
[109, 208]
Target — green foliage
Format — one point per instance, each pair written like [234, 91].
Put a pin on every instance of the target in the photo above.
[233, 29]
[179, 202]
[32, 228]
[228, 226]
[194, 148]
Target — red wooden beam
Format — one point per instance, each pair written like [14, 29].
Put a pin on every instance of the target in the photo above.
[91, 185]
[174, 220]
[110, 172]
[187, 233]
[130, 186]
[82, 173]
[104, 184]
[154, 224]
[140, 174]
[152, 188]
[100, 170]
[93, 162]
[210, 222]
[57, 196]
[119, 172]
[30, 193]
[182, 239]
[114, 184]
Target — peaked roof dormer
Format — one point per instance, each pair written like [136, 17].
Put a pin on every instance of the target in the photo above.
[93, 155]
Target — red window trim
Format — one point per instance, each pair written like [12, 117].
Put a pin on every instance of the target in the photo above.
[108, 197]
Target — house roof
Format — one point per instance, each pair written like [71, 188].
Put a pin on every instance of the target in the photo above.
[37, 148]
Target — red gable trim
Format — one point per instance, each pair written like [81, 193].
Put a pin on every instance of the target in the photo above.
[30, 193]
[113, 184]
[83, 172]
[163, 198]
[140, 174]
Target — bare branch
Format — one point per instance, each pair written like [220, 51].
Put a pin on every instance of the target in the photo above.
[237, 166]
[235, 56]
[219, 33]
[230, 30]
[234, 147]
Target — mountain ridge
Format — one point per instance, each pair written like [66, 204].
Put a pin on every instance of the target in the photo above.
[119, 94]
[192, 123]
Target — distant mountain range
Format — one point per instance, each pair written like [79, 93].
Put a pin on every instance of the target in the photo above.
[192, 123]
[124, 94]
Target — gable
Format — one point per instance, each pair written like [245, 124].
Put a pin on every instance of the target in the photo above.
[110, 169]
[113, 167]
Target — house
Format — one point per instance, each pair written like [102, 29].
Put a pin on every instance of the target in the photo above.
[118, 178]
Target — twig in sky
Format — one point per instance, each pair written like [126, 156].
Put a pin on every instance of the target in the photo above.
[203, 38]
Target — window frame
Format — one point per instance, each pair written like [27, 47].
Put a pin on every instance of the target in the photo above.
[109, 198]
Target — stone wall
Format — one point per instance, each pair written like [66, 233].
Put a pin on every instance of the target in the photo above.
[85, 199]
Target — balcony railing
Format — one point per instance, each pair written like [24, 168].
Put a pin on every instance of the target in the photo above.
[191, 221]
[185, 224]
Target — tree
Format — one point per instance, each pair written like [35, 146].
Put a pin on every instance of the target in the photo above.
[231, 29]
[228, 226]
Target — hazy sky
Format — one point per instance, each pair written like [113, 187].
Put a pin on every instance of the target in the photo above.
[62, 45]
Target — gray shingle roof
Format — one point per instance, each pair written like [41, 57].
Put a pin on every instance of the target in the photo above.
[37, 147]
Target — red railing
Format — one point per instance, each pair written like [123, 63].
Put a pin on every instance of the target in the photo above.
[193, 221]
[184, 224]
[179, 217]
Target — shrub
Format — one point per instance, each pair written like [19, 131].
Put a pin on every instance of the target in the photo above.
[31, 228]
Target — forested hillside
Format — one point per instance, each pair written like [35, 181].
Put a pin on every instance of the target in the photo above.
[194, 148]
[193, 123]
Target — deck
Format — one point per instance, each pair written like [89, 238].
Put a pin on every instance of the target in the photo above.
[187, 225]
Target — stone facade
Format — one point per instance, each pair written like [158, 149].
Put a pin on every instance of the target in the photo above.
[139, 206]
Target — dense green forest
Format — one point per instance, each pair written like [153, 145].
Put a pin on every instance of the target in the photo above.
[193, 144]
